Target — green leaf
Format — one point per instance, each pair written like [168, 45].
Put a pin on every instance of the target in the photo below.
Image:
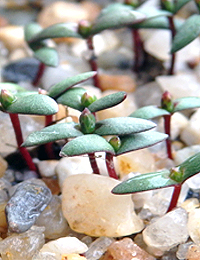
[149, 112]
[35, 104]
[186, 103]
[138, 141]
[116, 16]
[152, 12]
[107, 101]
[30, 30]
[187, 33]
[53, 133]
[146, 181]
[178, 4]
[72, 98]
[57, 31]
[85, 144]
[48, 56]
[12, 87]
[56, 90]
[122, 126]
[190, 167]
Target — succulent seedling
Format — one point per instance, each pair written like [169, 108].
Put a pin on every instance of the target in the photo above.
[167, 109]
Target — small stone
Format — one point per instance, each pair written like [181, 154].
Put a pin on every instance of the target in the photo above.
[53, 220]
[134, 162]
[193, 252]
[117, 82]
[91, 208]
[125, 249]
[25, 206]
[184, 153]
[3, 166]
[167, 231]
[22, 246]
[3, 221]
[194, 225]
[61, 246]
[190, 204]
[22, 70]
[73, 257]
[53, 185]
[47, 167]
[17, 54]
[182, 250]
[181, 85]
[190, 134]
[98, 248]
[12, 37]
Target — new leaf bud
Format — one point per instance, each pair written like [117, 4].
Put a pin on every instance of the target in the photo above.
[87, 121]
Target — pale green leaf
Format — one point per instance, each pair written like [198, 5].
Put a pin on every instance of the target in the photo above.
[47, 55]
[149, 112]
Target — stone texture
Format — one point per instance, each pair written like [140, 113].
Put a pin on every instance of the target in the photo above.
[125, 249]
[47, 167]
[194, 225]
[167, 231]
[12, 37]
[91, 208]
[73, 257]
[53, 220]
[3, 221]
[117, 82]
[3, 166]
[193, 252]
[22, 246]
[64, 245]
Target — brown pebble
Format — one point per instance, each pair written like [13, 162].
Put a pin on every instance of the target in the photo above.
[117, 82]
[125, 249]
[193, 253]
[53, 185]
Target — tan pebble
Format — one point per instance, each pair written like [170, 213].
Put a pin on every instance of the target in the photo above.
[117, 82]
[17, 54]
[3, 222]
[3, 21]
[193, 253]
[3, 166]
[125, 249]
[12, 37]
[93, 9]
[53, 185]
[62, 12]
[62, 112]
[73, 257]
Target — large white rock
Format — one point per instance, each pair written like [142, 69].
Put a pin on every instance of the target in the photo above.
[91, 208]
[194, 225]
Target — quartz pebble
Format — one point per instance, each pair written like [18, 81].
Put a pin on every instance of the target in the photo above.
[183, 154]
[182, 250]
[53, 220]
[25, 206]
[47, 167]
[190, 134]
[73, 257]
[125, 249]
[194, 225]
[91, 208]
[57, 248]
[22, 246]
[98, 247]
[167, 231]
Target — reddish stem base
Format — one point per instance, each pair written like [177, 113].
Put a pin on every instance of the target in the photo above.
[175, 196]
[93, 163]
[167, 126]
[110, 166]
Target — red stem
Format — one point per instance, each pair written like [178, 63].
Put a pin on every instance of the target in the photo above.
[173, 55]
[18, 134]
[138, 50]
[93, 163]
[167, 126]
[93, 63]
[175, 196]
[110, 166]
[39, 74]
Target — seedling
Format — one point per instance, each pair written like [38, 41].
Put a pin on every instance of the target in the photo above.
[167, 109]
[87, 136]
[175, 177]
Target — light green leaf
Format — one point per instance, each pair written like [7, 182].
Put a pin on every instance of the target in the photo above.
[36, 104]
[179, 4]
[116, 16]
[187, 33]
[149, 112]
[53, 133]
[57, 31]
[186, 103]
[30, 30]
[56, 90]
[146, 181]
[85, 144]
[107, 101]
[138, 141]
[72, 98]
[48, 56]
[122, 126]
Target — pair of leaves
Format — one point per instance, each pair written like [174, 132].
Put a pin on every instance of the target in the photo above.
[161, 179]
[150, 112]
